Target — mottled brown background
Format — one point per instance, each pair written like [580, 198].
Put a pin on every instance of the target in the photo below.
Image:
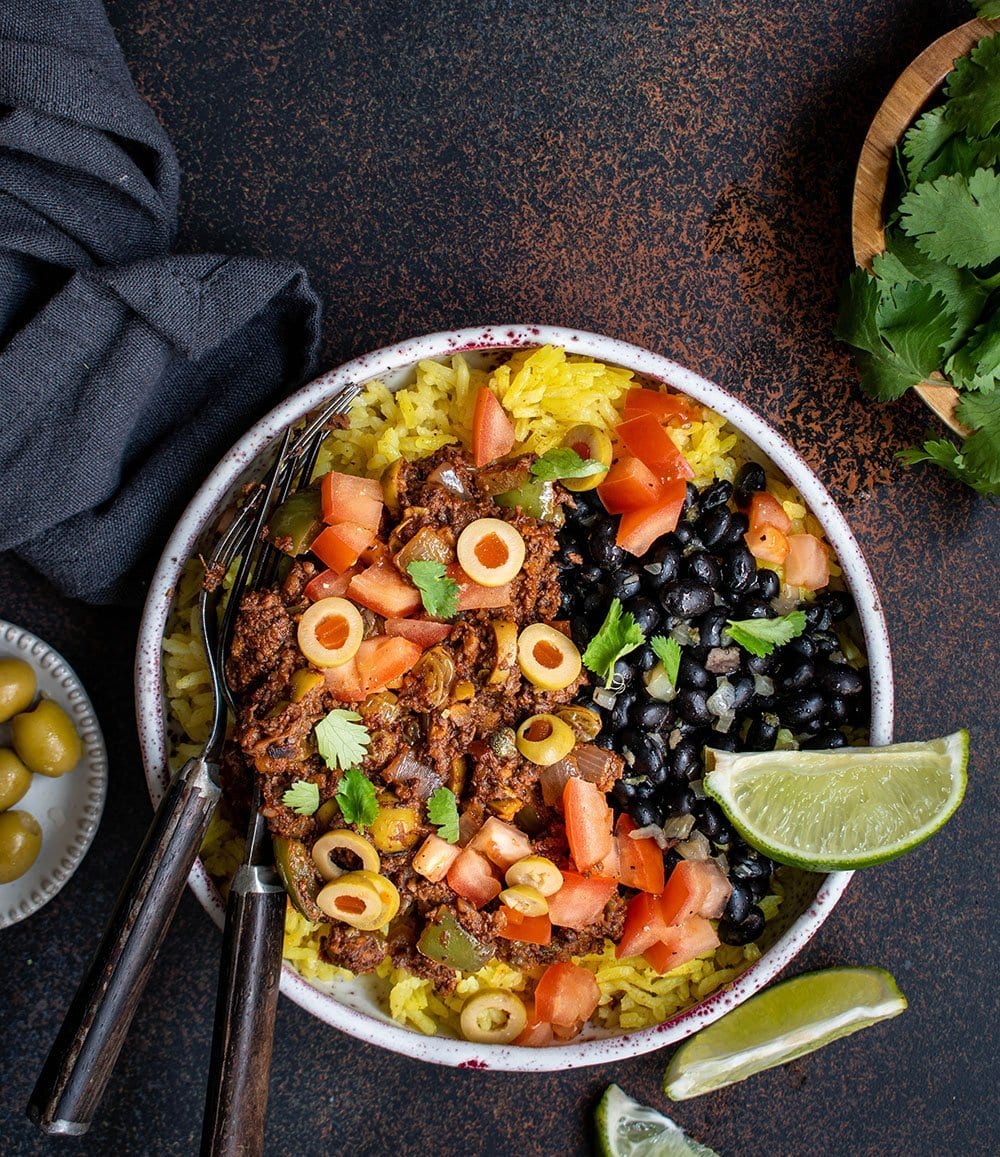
[676, 174]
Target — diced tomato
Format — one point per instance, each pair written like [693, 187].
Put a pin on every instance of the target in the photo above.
[629, 485]
[501, 843]
[644, 925]
[345, 498]
[382, 660]
[664, 405]
[766, 510]
[684, 943]
[588, 822]
[492, 430]
[639, 529]
[328, 585]
[471, 876]
[472, 596]
[434, 857]
[536, 1033]
[768, 544]
[340, 546]
[807, 564]
[580, 901]
[640, 862]
[423, 632]
[609, 866]
[346, 683]
[649, 442]
[512, 925]
[566, 994]
[376, 552]
[381, 588]
[688, 889]
[717, 897]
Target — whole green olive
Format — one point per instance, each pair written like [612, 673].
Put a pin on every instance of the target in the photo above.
[20, 843]
[15, 778]
[17, 687]
[46, 739]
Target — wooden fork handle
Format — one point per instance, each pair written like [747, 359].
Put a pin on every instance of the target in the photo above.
[73, 1078]
[249, 975]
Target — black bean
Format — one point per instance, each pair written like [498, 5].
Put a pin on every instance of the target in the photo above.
[619, 718]
[591, 574]
[801, 707]
[839, 603]
[811, 727]
[709, 819]
[652, 715]
[839, 679]
[690, 673]
[595, 604]
[567, 604]
[743, 691]
[717, 494]
[749, 478]
[738, 569]
[767, 584]
[692, 501]
[646, 658]
[817, 616]
[647, 756]
[644, 789]
[761, 664]
[759, 887]
[762, 733]
[802, 647]
[626, 674]
[623, 793]
[602, 546]
[720, 742]
[711, 626]
[825, 642]
[738, 904]
[685, 535]
[676, 800]
[748, 929]
[667, 556]
[692, 703]
[623, 583]
[746, 864]
[797, 677]
[605, 740]
[685, 758]
[713, 526]
[836, 710]
[754, 608]
[580, 630]
[701, 567]
[646, 613]
[688, 599]
[645, 814]
[823, 740]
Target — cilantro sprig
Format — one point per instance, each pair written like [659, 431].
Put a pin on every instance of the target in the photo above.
[356, 798]
[668, 651]
[342, 739]
[302, 797]
[564, 462]
[438, 592]
[442, 811]
[619, 635]
[761, 636]
[929, 307]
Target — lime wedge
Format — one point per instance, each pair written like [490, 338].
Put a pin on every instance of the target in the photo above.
[846, 808]
[625, 1128]
[783, 1022]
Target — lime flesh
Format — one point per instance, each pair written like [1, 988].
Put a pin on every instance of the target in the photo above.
[626, 1128]
[845, 808]
[779, 1024]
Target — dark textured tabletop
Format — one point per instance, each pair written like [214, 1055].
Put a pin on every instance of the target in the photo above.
[676, 174]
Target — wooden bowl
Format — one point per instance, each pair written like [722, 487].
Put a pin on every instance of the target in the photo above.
[899, 110]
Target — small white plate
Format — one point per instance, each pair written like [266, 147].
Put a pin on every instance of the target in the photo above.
[68, 807]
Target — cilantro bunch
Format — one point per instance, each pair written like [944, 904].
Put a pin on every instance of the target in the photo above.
[932, 301]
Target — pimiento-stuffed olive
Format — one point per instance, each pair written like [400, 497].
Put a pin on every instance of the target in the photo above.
[20, 843]
[592, 445]
[46, 739]
[17, 687]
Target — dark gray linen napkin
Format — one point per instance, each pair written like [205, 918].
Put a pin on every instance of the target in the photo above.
[125, 370]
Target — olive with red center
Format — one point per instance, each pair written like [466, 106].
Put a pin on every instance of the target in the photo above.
[547, 658]
[490, 551]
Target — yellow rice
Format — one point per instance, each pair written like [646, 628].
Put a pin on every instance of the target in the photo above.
[545, 391]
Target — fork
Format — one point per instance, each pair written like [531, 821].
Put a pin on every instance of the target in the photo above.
[76, 1072]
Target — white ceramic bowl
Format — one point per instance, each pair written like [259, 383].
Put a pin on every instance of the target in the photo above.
[351, 1006]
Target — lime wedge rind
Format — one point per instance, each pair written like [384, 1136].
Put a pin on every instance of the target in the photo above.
[781, 1024]
[734, 777]
[627, 1128]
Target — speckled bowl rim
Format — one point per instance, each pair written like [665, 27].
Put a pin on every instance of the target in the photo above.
[388, 361]
[88, 797]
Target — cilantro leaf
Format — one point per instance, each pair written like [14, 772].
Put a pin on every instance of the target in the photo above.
[973, 90]
[442, 811]
[916, 324]
[760, 636]
[956, 219]
[565, 463]
[619, 635]
[924, 140]
[986, 9]
[856, 322]
[341, 738]
[976, 364]
[356, 798]
[438, 593]
[981, 450]
[668, 651]
[947, 457]
[302, 797]
[884, 378]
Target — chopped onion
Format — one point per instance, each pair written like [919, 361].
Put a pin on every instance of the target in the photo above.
[695, 847]
[721, 861]
[678, 827]
[553, 780]
[447, 476]
[405, 769]
[698, 787]
[787, 599]
[593, 763]
[659, 686]
[653, 568]
[684, 633]
[721, 701]
[653, 832]
[604, 697]
[762, 685]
